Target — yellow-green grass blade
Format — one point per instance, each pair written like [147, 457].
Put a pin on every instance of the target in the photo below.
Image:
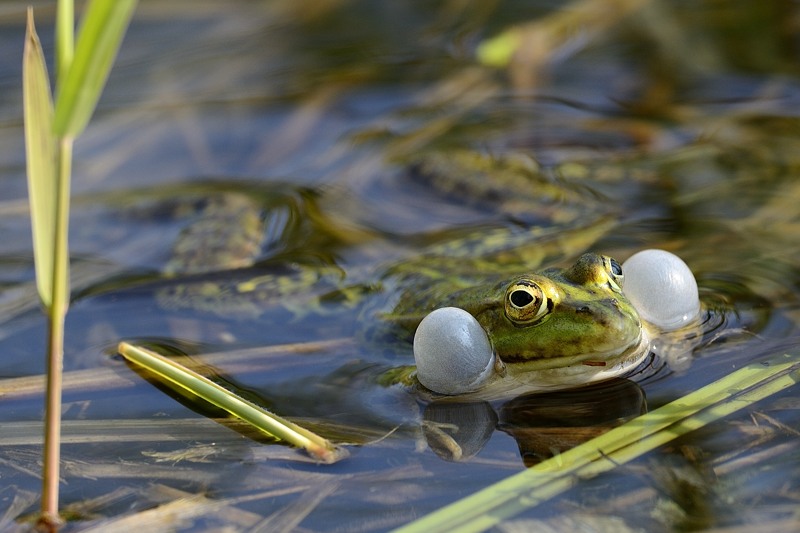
[65, 45]
[527, 489]
[176, 374]
[103, 26]
[40, 151]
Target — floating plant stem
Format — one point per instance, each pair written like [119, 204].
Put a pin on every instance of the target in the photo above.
[531, 487]
[189, 380]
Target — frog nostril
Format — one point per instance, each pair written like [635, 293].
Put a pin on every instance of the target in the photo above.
[584, 309]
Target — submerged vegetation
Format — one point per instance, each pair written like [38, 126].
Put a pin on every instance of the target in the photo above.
[634, 123]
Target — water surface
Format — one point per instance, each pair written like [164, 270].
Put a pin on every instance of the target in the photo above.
[680, 120]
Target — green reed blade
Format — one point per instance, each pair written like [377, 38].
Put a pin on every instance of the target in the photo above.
[46, 157]
[527, 489]
[40, 150]
[49, 133]
[174, 373]
[103, 26]
[65, 45]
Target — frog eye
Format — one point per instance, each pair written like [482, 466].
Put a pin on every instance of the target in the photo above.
[526, 302]
[616, 278]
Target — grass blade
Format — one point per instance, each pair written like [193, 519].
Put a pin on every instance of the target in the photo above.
[40, 151]
[49, 133]
[176, 374]
[65, 45]
[102, 30]
[49, 223]
[527, 489]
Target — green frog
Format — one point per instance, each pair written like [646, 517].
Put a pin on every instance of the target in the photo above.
[550, 328]
[554, 328]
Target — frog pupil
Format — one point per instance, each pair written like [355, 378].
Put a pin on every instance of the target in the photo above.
[521, 298]
[616, 269]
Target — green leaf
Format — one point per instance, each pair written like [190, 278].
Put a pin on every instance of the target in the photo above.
[65, 45]
[103, 26]
[40, 150]
[172, 373]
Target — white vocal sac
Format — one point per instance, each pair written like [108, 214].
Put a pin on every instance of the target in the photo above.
[662, 288]
[452, 352]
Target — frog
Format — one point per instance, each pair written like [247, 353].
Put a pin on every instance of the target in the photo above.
[554, 327]
[549, 329]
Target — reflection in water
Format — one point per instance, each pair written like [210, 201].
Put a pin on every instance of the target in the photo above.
[458, 431]
[543, 425]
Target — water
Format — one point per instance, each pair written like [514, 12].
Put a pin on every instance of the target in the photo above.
[679, 122]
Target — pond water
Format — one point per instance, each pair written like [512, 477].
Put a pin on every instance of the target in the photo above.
[668, 125]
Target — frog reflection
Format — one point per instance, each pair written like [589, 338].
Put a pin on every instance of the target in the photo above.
[543, 424]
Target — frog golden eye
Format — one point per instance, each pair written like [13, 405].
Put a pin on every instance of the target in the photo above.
[525, 302]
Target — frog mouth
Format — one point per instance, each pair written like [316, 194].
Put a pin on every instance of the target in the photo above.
[549, 376]
[608, 362]
[595, 363]
[624, 364]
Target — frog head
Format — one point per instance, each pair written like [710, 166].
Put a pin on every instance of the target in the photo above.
[574, 320]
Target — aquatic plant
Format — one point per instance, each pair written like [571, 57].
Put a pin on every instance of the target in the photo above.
[50, 130]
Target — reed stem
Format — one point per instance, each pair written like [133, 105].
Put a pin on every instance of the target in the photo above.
[55, 346]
